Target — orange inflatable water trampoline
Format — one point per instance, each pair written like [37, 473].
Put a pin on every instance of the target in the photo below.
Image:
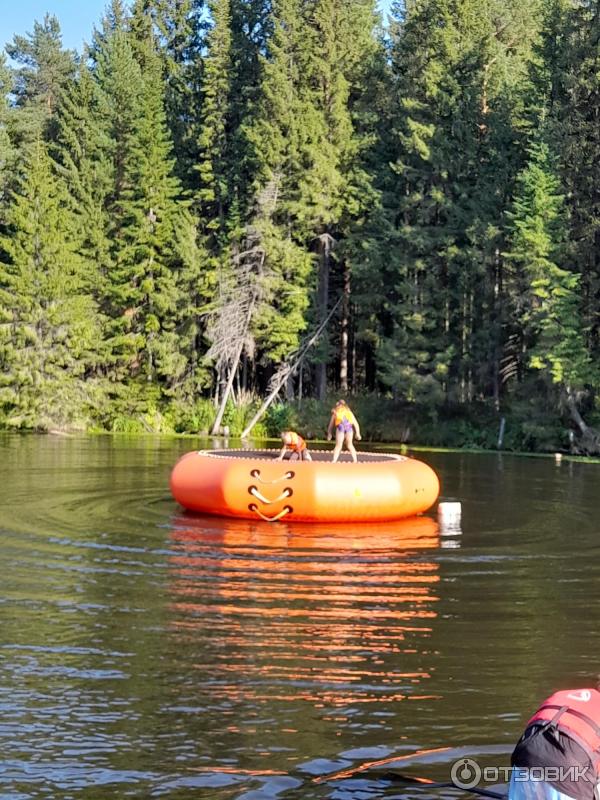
[252, 485]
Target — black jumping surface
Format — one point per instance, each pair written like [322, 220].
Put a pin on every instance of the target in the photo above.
[317, 455]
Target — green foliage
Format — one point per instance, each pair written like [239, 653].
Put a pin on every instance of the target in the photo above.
[8, 153]
[549, 298]
[281, 417]
[44, 69]
[180, 35]
[180, 205]
[195, 417]
[213, 142]
[150, 422]
[49, 326]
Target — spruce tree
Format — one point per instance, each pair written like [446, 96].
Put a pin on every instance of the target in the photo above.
[274, 136]
[548, 291]
[7, 150]
[214, 142]
[416, 352]
[49, 329]
[460, 82]
[151, 252]
[304, 151]
[252, 23]
[574, 117]
[141, 289]
[116, 153]
[44, 69]
[334, 187]
[83, 158]
[213, 204]
[180, 29]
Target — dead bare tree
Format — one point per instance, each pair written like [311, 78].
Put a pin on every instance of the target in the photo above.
[232, 324]
[241, 290]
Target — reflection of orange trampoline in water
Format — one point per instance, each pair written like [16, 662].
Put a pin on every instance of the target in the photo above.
[326, 615]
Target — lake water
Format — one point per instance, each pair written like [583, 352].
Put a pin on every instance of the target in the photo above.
[148, 653]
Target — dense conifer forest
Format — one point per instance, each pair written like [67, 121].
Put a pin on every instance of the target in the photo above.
[219, 197]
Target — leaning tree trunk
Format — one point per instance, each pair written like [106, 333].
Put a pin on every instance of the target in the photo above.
[575, 414]
[345, 328]
[288, 370]
[590, 438]
[326, 244]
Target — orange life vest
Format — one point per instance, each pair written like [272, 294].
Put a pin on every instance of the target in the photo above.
[294, 442]
[577, 713]
[343, 414]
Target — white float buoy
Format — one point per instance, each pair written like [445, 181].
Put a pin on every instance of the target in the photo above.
[449, 516]
[557, 458]
[450, 543]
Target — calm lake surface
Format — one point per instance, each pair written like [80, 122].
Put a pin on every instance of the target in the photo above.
[148, 653]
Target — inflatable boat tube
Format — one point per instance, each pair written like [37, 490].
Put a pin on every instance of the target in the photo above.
[253, 485]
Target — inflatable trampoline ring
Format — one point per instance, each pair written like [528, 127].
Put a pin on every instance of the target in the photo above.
[251, 484]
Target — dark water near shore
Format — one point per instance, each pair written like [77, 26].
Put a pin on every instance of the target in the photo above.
[146, 653]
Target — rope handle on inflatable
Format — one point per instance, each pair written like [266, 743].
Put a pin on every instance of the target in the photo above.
[281, 514]
[255, 493]
[256, 474]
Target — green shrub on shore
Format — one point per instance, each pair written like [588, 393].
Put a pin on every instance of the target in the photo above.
[529, 427]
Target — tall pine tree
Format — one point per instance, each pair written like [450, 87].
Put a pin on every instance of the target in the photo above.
[44, 68]
[548, 314]
[49, 328]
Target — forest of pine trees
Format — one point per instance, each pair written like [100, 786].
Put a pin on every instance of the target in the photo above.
[183, 204]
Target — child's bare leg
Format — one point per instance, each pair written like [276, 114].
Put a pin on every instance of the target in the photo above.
[339, 441]
[350, 445]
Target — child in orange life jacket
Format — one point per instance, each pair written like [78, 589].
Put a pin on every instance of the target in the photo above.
[345, 423]
[295, 445]
[558, 755]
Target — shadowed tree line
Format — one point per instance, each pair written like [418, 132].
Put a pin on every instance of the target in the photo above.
[186, 202]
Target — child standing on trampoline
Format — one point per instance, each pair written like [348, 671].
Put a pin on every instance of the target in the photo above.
[345, 424]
